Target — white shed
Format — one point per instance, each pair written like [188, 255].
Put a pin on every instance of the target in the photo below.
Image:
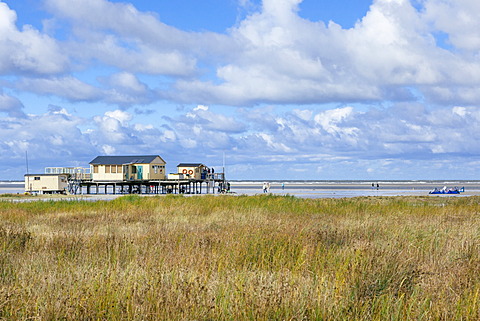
[46, 183]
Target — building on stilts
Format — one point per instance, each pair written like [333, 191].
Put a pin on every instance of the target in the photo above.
[135, 174]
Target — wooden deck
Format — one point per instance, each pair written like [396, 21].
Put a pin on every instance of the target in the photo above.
[210, 185]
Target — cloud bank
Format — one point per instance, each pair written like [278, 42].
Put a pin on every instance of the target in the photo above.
[394, 97]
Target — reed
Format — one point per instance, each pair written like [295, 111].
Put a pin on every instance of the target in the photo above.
[241, 258]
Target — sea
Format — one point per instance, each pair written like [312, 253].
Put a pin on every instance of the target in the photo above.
[323, 188]
[12, 187]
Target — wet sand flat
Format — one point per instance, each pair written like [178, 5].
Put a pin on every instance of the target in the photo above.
[316, 189]
[354, 189]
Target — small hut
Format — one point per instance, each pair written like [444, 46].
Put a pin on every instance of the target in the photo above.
[193, 170]
[46, 183]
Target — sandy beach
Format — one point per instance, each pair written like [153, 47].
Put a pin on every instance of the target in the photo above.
[354, 189]
[309, 189]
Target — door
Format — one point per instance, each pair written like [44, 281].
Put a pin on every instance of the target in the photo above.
[139, 172]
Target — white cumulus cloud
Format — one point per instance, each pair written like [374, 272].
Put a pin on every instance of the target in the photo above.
[27, 50]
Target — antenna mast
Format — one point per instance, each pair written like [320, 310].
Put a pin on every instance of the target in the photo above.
[26, 160]
[224, 167]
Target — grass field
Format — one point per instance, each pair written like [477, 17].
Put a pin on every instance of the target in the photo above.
[241, 258]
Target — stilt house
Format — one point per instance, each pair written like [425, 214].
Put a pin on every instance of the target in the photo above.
[193, 170]
[127, 168]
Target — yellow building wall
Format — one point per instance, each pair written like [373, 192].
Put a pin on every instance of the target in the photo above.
[194, 172]
[154, 171]
[101, 173]
[151, 171]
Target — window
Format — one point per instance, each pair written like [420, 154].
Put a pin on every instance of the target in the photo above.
[119, 169]
[158, 168]
[107, 169]
[95, 169]
[113, 169]
[36, 178]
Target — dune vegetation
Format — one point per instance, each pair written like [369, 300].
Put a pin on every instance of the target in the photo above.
[241, 258]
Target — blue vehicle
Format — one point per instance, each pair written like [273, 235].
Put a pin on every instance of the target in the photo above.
[445, 190]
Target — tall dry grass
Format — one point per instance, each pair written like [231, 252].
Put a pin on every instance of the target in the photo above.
[237, 258]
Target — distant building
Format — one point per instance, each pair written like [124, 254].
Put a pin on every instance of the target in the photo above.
[127, 168]
[193, 170]
[46, 183]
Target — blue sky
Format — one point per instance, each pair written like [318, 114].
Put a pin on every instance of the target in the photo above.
[285, 89]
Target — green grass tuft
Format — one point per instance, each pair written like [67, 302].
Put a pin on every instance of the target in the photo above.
[259, 257]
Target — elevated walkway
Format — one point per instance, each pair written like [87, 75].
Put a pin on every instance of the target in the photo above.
[211, 184]
[80, 182]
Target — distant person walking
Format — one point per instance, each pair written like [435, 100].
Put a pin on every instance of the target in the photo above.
[265, 187]
[378, 186]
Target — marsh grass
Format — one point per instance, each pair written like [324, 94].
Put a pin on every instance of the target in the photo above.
[16, 195]
[235, 258]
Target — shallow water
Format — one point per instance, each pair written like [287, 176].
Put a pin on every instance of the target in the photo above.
[317, 189]
[12, 188]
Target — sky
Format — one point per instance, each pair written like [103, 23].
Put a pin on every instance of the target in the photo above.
[273, 89]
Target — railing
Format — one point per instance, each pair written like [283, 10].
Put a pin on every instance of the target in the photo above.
[75, 172]
[216, 176]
